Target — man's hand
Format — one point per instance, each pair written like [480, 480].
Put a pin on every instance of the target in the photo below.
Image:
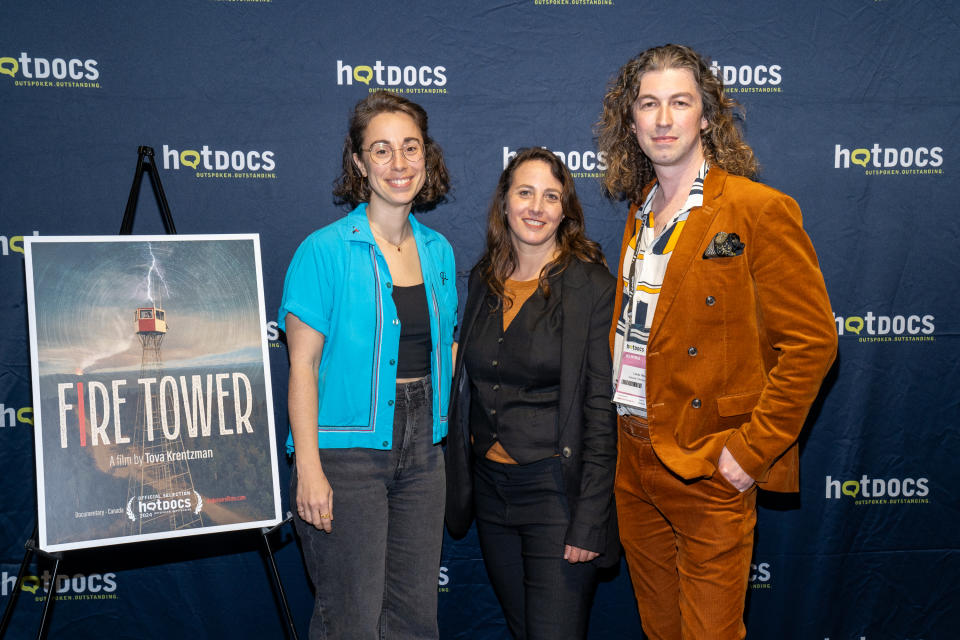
[733, 472]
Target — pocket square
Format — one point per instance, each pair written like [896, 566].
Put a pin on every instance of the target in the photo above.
[724, 245]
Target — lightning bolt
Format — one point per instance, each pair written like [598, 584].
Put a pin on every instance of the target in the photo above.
[154, 269]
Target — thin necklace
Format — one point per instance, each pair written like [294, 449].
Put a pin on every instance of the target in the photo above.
[403, 236]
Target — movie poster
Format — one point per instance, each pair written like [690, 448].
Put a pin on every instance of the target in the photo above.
[151, 388]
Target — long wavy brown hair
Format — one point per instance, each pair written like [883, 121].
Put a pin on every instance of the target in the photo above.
[500, 257]
[628, 168]
[352, 188]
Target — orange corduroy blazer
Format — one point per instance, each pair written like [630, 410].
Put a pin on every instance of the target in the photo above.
[740, 345]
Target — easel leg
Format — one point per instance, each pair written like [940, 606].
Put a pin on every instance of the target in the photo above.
[11, 604]
[31, 549]
[51, 594]
[276, 574]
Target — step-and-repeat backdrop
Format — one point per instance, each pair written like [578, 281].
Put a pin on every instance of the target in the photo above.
[852, 107]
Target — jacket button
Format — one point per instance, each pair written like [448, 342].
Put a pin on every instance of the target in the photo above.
[386, 444]
[393, 362]
[692, 351]
[396, 321]
[493, 412]
[566, 452]
[389, 285]
[499, 340]
[711, 301]
[496, 387]
[390, 402]
[696, 403]
[495, 363]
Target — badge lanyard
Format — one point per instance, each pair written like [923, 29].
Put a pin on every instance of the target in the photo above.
[631, 389]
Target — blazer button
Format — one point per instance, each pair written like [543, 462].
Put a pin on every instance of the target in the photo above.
[493, 412]
[496, 387]
[696, 403]
[566, 452]
[494, 363]
[692, 351]
[711, 301]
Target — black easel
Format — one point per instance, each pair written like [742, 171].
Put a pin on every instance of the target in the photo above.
[277, 583]
[145, 163]
[32, 548]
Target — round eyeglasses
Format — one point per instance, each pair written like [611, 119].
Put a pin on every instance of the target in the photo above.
[382, 153]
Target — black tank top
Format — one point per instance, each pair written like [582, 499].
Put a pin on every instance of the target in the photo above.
[413, 359]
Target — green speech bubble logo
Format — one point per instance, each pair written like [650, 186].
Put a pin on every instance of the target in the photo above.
[190, 158]
[860, 157]
[854, 324]
[34, 584]
[12, 69]
[850, 488]
[363, 73]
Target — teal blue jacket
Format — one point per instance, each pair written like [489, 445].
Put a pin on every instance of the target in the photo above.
[338, 283]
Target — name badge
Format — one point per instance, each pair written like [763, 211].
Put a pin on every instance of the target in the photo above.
[631, 388]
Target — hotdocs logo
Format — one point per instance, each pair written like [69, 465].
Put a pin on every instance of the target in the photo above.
[12, 416]
[222, 164]
[890, 161]
[154, 505]
[79, 586]
[13, 244]
[874, 491]
[443, 580]
[760, 576]
[62, 73]
[407, 79]
[865, 638]
[273, 335]
[913, 327]
[749, 78]
[573, 3]
[582, 164]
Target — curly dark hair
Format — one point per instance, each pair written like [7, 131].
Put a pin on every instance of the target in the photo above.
[628, 168]
[500, 257]
[352, 188]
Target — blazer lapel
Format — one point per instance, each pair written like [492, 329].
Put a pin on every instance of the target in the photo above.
[688, 247]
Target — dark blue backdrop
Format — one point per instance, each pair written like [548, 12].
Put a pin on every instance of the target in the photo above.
[851, 106]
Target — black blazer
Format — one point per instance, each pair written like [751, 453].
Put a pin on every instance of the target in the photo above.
[588, 419]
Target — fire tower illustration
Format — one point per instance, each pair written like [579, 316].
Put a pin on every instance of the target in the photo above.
[160, 494]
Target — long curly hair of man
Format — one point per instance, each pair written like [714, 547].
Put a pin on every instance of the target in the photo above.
[628, 168]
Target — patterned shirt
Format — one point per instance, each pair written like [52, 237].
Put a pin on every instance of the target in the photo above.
[645, 263]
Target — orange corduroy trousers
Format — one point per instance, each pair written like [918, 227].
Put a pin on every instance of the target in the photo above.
[688, 544]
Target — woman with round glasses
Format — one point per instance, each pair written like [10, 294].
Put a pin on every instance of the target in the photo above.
[369, 307]
[532, 414]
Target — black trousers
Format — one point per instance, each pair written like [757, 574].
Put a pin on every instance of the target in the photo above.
[522, 520]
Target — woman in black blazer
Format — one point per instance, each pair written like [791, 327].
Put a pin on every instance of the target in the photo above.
[532, 431]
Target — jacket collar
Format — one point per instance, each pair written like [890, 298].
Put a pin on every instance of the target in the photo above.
[359, 227]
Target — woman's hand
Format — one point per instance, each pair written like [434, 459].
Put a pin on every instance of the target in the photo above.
[314, 493]
[574, 554]
[315, 499]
